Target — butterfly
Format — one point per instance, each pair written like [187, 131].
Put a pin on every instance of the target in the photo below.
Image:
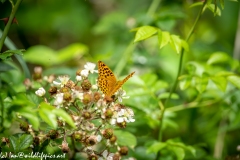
[107, 81]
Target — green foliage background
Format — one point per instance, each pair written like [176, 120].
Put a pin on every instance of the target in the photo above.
[201, 121]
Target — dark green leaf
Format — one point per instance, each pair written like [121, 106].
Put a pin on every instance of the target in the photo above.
[20, 142]
[5, 67]
[9, 53]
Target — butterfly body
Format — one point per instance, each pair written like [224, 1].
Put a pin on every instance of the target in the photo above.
[107, 81]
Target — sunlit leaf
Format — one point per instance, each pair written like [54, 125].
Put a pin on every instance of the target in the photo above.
[163, 38]
[145, 32]
[61, 113]
[220, 82]
[201, 83]
[155, 147]
[176, 43]
[218, 57]
[196, 4]
[45, 112]
[235, 80]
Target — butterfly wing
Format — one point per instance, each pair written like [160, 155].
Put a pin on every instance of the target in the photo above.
[119, 84]
[106, 79]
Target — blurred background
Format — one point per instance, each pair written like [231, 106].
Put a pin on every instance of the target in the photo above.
[78, 31]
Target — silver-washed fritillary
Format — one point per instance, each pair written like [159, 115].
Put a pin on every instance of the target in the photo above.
[107, 81]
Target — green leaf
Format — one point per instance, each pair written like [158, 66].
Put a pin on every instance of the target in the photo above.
[220, 82]
[155, 147]
[5, 67]
[196, 4]
[19, 142]
[9, 53]
[176, 43]
[216, 10]
[145, 32]
[235, 80]
[45, 112]
[163, 38]
[218, 57]
[185, 82]
[125, 138]
[41, 55]
[61, 113]
[201, 83]
[73, 51]
[179, 152]
[31, 115]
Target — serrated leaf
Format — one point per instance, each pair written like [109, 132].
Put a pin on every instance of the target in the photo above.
[125, 138]
[20, 142]
[218, 57]
[155, 147]
[235, 80]
[163, 39]
[45, 112]
[9, 53]
[61, 113]
[145, 32]
[220, 82]
[176, 43]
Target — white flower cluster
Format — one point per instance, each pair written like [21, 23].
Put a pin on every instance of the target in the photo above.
[92, 113]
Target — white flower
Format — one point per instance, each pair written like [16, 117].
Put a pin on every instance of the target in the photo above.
[40, 92]
[94, 87]
[106, 156]
[84, 73]
[58, 99]
[78, 78]
[77, 94]
[63, 81]
[121, 94]
[90, 67]
[99, 138]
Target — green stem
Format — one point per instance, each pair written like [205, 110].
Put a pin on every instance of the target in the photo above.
[153, 7]
[176, 80]
[182, 54]
[6, 29]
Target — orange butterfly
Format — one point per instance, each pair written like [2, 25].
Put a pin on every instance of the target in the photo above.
[107, 81]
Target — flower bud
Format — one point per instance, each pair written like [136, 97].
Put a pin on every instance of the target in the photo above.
[53, 134]
[92, 140]
[64, 89]
[107, 133]
[86, 115]
[77, 136]
[67, 96]
[86, 85]
[113, 139]
[86, 98]
[122, 124]
[24, 126]
[70, 84]
[52, 90]
[123, 151]
[36, 141]
[93, 157]
[108, 113]
[116, 157]
[64, 147]
[96, 96]
[40, 92]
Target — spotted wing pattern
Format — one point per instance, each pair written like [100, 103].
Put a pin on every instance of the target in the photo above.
[107, 81]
